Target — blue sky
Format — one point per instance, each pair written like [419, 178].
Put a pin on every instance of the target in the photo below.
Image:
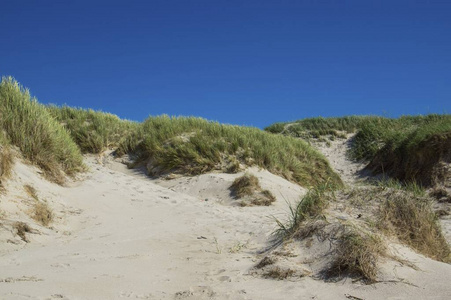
[240, 62]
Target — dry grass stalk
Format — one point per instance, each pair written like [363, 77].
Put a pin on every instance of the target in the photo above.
[279, 273]
[31, 191]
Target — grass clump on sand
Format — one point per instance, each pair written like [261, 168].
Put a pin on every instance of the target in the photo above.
[279, 273]
[404, 213]
[28, 125]
[412, 220]
[41, 212]
[357, 254]
[21, 230]
[247, 187]
[93, 131]
[378, 213]
[193, 146]
[31, 191]
[310, 207]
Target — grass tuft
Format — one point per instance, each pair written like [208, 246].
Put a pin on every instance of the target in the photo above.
[357, 254]
[42, 213]
[279, 273]
[406, 215]
[21, 230]
[412, 220]
[247, 187]
[310, 207]
[266, 261]
[31, 191]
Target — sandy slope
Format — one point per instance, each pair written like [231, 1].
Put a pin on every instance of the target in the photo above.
[120, 235]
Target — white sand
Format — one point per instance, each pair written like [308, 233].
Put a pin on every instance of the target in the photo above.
[120, 235]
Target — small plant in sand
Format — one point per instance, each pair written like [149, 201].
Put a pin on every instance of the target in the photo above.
[238, 246]
[266, 261]
[357, 254]
[279, 273]
[248, 189]
[21, 230]
[217, 246]
[245, 185]
[41, 212]
[31, 191]
[311, 206]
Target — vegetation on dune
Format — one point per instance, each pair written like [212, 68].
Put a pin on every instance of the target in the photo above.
[42, 213]
[52, 137]
[318, 127]
[404, 211]
[41, 139]
[358, 252]
[245, 185]
[247, 188]
[419, 153]
[21, 229]
[389, 210]
[192, 146]
[413, 221]
[93, 131]
[409, 148]
[404, 133]
[310, 207]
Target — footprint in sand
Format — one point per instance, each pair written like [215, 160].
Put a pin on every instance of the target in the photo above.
[199, 292]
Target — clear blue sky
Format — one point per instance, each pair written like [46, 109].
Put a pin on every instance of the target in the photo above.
[239, 62]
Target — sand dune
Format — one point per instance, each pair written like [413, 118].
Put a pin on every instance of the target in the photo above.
[118, 234]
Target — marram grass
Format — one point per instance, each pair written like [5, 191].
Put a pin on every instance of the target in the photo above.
[41, 139]
[93, 131]
[191, 145]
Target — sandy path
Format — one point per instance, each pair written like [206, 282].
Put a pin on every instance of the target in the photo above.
[336, 153]
[134, 239]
